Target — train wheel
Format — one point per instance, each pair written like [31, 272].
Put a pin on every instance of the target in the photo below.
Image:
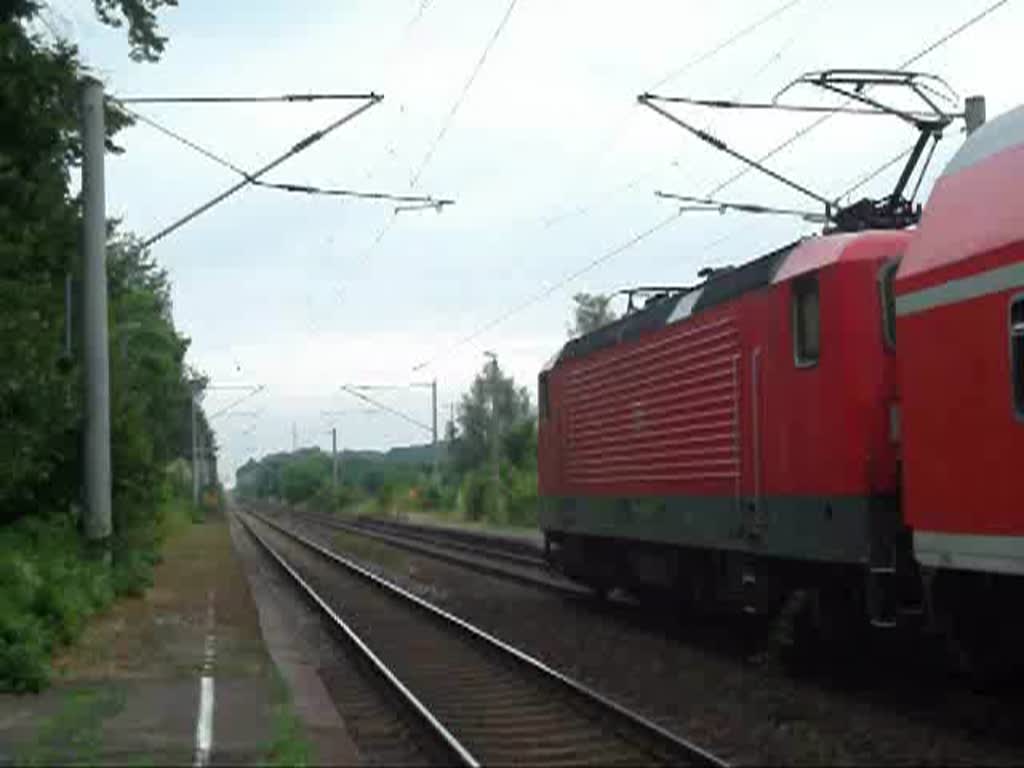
[985, 651]
[982, 637]
[598, 590]
[827, 628]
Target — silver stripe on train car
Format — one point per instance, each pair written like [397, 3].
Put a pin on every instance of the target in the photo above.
[970, 552]
[964, 289]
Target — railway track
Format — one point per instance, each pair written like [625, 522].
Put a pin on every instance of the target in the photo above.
[477, 699]
[467, 551]
[497, 547]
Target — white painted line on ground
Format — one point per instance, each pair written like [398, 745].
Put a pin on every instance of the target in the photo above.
[204, 725]
[204, 721]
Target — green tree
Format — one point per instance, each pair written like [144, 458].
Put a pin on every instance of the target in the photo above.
[146, 42]
[494, 439]
[305, 475]
[40, 383]
[493, 407]
[151, 385]
[39, 396]
[590, 312]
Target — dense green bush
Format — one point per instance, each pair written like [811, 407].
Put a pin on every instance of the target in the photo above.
[337, 499]
[520, 488]
[301, 479]
[386, 496]
[518, 502]
[477, 495]
[431, 496]
[51, 584]
[24, 650]
[50, 587]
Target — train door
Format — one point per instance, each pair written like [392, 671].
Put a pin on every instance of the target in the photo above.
[754, 514]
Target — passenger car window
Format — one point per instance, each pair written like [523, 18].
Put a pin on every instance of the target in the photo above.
[1017, 352]
[886, 287]
[806, 321]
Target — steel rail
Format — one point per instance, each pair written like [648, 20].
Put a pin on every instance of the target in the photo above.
[665, 739]
[483, 546]
[463, 755]
[437, 552]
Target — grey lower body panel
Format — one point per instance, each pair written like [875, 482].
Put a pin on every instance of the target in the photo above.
[970, 552]
[842, 529]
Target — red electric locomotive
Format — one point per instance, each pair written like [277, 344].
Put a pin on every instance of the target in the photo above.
[840, 418]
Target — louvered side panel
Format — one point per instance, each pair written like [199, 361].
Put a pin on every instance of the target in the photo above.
[664, 411]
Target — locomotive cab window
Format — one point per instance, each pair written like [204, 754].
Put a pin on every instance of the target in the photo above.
[806, 321]
[1017, 353]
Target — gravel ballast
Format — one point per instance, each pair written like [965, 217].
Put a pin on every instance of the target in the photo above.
[696, 680]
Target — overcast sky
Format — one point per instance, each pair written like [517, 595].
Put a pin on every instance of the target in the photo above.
[549, 158]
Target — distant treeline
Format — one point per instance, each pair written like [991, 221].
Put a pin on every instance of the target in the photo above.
[307, 475]
[485, 469]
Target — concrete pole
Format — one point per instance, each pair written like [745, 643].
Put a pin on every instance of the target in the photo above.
[204, 463]
[433, 413]
[494, 456]
[433, 424]
[195, 453]
[496, 474]
[334, 459]
[94, 310]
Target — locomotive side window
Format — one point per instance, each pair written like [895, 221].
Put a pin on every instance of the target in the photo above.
[886, 280]
[1017, 352]
[806, 321]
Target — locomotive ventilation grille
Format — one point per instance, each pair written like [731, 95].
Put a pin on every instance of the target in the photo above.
[666, 410]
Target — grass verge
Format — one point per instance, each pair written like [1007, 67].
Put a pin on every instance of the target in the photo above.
[288, 745]
[50, 584]
[74, 732]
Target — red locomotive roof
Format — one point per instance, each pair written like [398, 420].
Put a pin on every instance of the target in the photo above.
[974, 209]
[817, 252]
[724, 286]
[730, 283]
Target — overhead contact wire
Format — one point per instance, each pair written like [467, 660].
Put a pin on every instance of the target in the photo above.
[799, 134]
[288, 97]
[207, 153]
[647, 233]
[700, 59]
[739, 35]
[872, 175]
[282, 186]
[462, 96]
[298, 147]
[537, 298]
[387, 409]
